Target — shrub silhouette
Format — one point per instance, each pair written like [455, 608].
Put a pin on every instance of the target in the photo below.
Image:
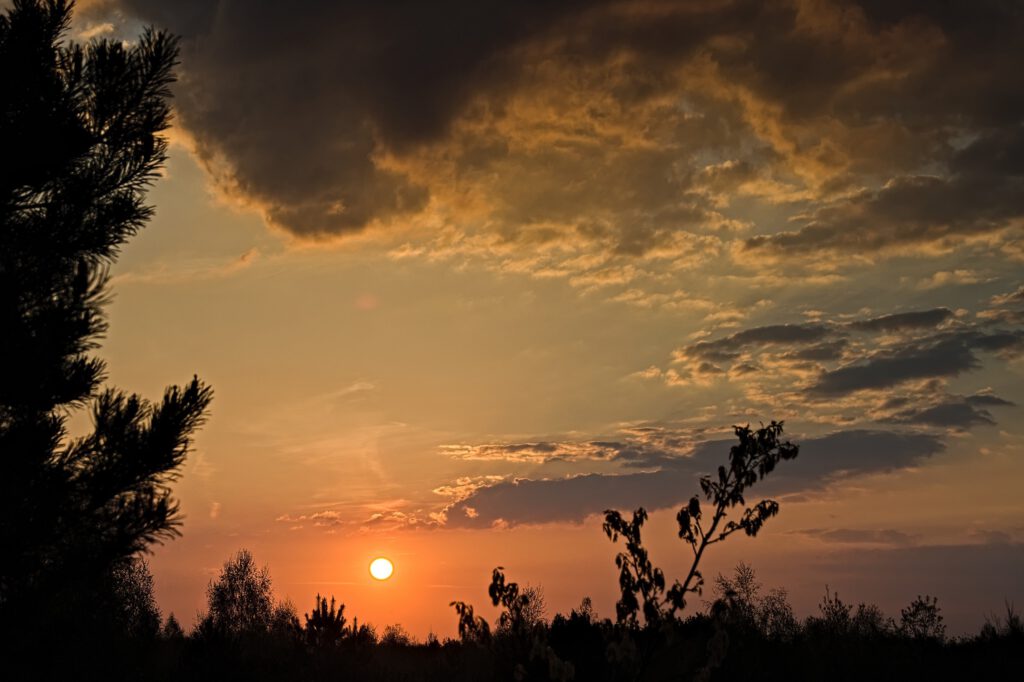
[997, 628]
[395, 636]
[753, 458]
[80, 129]
[835, 619]
[922, 620]
[770, 614]
[326, 626]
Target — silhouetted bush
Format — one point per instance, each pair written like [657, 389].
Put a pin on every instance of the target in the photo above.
[922, 620]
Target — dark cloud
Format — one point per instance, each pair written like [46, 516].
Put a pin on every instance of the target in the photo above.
[888, 368]
[629, 122]
[919, 319]
[298, 99]
[572, 499]
[944, 355]
[831, 350]
[988, 400]
[954, 412]
[858, 451]
[779, 334]
[956, 415]
[977, 198]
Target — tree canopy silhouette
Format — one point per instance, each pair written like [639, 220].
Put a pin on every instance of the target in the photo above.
[80, 129]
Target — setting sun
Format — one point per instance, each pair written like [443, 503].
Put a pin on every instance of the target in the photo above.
[381, 568]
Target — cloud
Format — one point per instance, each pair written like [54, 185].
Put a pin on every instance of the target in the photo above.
[945, 355]
[851, 536]
[572, 499]
[957, 415]
[537, 453]
[919, 319]
[779, 334]
[988, 399]
[944, 278]
[614, 135]
[1009, 298]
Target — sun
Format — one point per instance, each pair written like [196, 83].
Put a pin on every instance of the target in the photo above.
[381, 568]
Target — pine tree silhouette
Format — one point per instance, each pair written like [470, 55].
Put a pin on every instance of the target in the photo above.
[80, 129]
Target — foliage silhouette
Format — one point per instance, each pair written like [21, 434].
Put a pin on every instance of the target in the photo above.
[172, 629]
[326, 626]
[922, 620]
[80, 128]
[241, 600]
[395, 636]
[997, 628]
[514, 603]
[770, 614]
[473, 629]
[536, 607]
[133, 598]
[753, 458]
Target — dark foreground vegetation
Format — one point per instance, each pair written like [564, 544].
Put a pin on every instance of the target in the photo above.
[743, 633]
[80, 133]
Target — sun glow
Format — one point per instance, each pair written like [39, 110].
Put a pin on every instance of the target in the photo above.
[381, 568]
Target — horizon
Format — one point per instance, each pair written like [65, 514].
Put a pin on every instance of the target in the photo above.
[455, 300]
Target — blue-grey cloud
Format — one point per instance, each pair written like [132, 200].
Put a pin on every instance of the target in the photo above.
[943, 355]
[572, 499]
[728, 347]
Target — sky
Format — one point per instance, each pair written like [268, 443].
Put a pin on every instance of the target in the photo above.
[465, 274]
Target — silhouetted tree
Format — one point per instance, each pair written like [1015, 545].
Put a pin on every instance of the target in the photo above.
[395, 635]
[363, 635]
[836, 619]
[284, 620]
[325, 626]
[753, 458]
[134, 601]
[637, 575]
[869, 621]
[775, 615]
[80, 132]
[1010, 628]
[536, 607]
[472, 628]
[922, 620]
[241, 600]
[514, 603]
[741, 592]
[172, 629]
